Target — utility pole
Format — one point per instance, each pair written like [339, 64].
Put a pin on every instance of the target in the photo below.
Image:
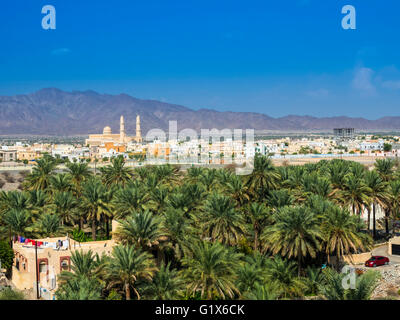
[37, 272]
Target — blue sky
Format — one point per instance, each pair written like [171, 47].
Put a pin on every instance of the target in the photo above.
[274, 57]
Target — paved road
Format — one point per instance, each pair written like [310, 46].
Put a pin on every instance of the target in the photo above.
[382, 251]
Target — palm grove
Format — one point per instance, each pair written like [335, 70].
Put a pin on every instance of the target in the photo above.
[207, 233]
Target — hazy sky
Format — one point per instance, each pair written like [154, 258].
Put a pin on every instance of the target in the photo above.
[275, 57]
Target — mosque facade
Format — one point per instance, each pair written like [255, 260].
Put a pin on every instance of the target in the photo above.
[96, 140]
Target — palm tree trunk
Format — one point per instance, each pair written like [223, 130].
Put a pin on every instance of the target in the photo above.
[369, 217]
[80, 223]
[11, 240]
[127, 291]
[298, 264]
[255, 239]
[373, 221]
[107, 228]
[387, 215]
[94, 229]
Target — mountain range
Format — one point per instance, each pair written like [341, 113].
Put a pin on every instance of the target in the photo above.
[55, 112]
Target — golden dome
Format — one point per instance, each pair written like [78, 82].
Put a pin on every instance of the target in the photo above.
[107, 130]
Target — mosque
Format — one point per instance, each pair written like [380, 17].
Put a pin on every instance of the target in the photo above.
[96, 140]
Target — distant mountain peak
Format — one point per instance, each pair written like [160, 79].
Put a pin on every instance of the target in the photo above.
[51, 111]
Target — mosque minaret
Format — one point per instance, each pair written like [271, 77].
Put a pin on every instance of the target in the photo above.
[121, 138]
[122, 130]
[138, 131]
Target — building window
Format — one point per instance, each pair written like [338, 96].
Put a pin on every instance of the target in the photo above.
[65, 264]
[42, 266]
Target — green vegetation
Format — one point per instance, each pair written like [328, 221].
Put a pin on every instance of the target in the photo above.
[207, 233]
[387, 147]
[6, 255]
[9, 294]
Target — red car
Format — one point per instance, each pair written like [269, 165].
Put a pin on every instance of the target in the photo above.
[375, 261]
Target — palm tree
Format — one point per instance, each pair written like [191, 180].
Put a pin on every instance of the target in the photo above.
[257, 212]
[295, 233]
[48, 225]
[93, 202]
[210, 268]
[354, 194]
[144, 230]
[313, 280]
[207, 179]
[365, 286]
[392, 202]
[280, 198]
[159, 197]
[248, 276]
[378, 193]
[15, 207]
[166, 172]
[237, 189]
[38, 202]
[39, 179]
[194, 173]
[80, 289]
[332, 287]
[142, 172]
[337, 171]
[323, 187]
[293, 177]
[267, 291]
[65, 204]
[60, 182]
[84, 265]
[176, 228]
[78, 172]
[17, 220]
[128, 200]
[14, 200]
[116, 173]
[282, 273]
[385, 168]
[128, 265]
[264, 176]
[182, 199]
[165, 285]
[221, 221]
[339, 229]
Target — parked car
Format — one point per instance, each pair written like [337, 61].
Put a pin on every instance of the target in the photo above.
[375, 261]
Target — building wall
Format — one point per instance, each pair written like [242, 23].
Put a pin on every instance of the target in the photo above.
[8, 155]
[51, 260]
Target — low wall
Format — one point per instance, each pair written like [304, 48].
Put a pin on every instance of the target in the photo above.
[353, 258]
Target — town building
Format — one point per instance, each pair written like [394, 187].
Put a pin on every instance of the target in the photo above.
[7, 154]
[39, 264]
[108, 137]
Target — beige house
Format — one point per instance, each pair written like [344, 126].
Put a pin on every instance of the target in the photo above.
[8, 155]
[50, 262]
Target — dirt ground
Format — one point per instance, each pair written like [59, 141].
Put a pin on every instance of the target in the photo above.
[11, 180]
